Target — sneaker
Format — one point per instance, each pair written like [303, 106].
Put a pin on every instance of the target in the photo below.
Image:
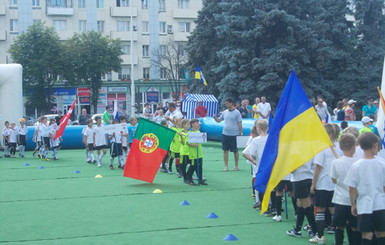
[310, 233]
[89, 162]
[185, 181]
[274, 211]
[318, 240]
[163, 170]
[34, 154]
[256, 205]
[55, 158]
[330, 230]
[111, 167]
[169, 171]
[94, 161]
[119, 166]
[252, 195]
[180, 175]
[277, 218]
[203, 182]
[294, 233]
[191, 183]
[307, 227]
[47, 159]
[267, 214]
[99, 164]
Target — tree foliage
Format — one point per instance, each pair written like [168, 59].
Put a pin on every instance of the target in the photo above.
[41, 54]
[247, 48]
[91, 56]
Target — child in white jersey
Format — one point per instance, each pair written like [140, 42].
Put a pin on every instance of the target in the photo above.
[366, 181]
[22, 131]
[100, 140]
[5, 135]
[253, 134]
[116, 149]
[124, 138]
[37, 139]
[342, 208]
[88, 140]
[12, 140]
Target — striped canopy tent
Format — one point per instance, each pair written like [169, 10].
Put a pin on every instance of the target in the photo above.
[190, 102]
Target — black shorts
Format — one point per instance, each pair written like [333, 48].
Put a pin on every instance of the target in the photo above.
[22, 140]
[125, 148]
[284, 185]
[185, 160]
[229, 143]
[372, 222]
[323, 198]
[302, 188]
[194, 161]
[12, 145]
[116, 149]
[45, 142]
[342, 215]
[100, 147]
[90, 147]
[175, 154]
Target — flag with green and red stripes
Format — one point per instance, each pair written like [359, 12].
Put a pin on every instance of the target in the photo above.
[148, 148]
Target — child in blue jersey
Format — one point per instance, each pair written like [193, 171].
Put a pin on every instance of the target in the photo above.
[132, 129]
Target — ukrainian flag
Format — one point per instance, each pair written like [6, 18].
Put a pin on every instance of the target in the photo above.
[199, 75]
[296, 135]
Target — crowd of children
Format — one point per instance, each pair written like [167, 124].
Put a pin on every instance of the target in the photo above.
[341, 188]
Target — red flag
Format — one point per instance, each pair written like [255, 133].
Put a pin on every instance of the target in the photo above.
[64, 121]
[148, 149]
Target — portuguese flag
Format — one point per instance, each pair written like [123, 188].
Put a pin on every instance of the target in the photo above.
[148, 149]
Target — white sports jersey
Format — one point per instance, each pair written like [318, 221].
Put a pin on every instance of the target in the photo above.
[5, 132]
[304, 172]
[100, 136]
[339, 170]
[12, 135]
[117, 137]
[43, 130]
[324, 159]
[89, 133]
[22, 130]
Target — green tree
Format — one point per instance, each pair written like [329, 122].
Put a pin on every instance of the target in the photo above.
[91, 56]
[40, 52]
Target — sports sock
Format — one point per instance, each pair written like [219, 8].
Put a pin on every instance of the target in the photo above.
[278, 203]
[87, 155]
[300, 218]
[339, 236]
[111, 161]
[101, 157]
[365, 241]
[260, 196]
[256, 196]
[98, 157]
[92, 158]
[320, 221]
[121, 161]
[294, 201]
[356, 238]
[170, 163]
[309, 213]
[273, 199]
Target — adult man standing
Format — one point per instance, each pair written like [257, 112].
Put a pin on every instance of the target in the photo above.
[147, 111]
[107, 116]
[200, 110]
[84, 117]
[254, 112]
[243, 109]
[172, 113]
[231, 129]
[264, 109]
[321, 109]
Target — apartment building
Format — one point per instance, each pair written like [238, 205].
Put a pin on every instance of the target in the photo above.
[154, 22]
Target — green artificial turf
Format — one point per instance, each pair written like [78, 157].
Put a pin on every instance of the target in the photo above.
[54, 205]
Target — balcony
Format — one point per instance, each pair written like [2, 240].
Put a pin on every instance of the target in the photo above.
[3, 35]
[127, 59]
[60, 11]
[181, 36]
[184, 14]
[124, 36]
[123, 12]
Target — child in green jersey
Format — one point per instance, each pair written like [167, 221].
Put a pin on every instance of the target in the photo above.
[175, 147]
[195, 156]
[184, 149]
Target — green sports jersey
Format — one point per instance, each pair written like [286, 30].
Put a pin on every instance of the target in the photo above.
[184, 149]
[176, 144]
[193, 150]
[365, 129]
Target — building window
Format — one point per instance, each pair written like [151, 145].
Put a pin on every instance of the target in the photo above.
[162, 27]
[82, 26]
[81, 3]
[162, 5]
[145, 27]
[14, 26]
[181, 49]
[145, 50]
[163, 73]
[100, 25]
[59, 3]
[162, 49]
[125, 49]
[144, 4]
[183, 4]
[124, 73]
[146, 73]
[99, 4]
[122, 3]
[109, 76]
[13, 3]
[184, 26]
[35, 3]
[122, 26]
[60, 25]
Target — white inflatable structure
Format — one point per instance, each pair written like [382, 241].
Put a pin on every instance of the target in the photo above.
[11, 93]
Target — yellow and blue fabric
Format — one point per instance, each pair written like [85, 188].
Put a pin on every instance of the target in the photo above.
[296, 135]
[199, 75]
